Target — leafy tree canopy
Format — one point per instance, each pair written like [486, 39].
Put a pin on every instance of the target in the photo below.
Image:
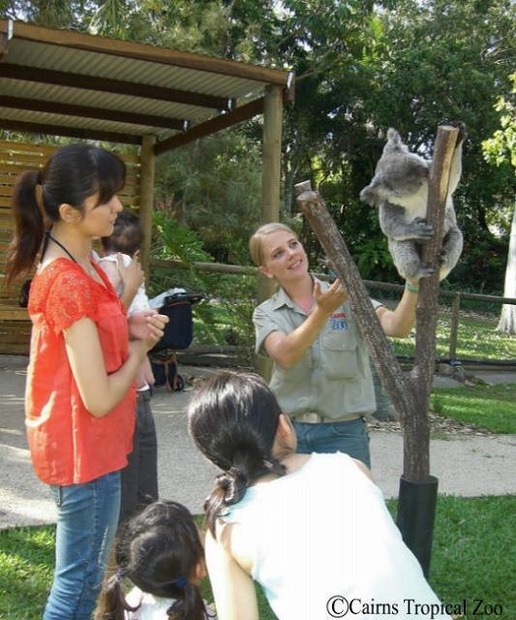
[361, 66]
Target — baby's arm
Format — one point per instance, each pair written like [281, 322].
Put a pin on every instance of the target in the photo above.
[132, 276]
[110, 268]
[145, 376]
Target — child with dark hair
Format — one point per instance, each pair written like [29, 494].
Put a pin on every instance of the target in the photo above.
[139, 479]
[120, 251]
[161, 554]
[312, 529]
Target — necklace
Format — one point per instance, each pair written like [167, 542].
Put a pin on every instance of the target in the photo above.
[49, 236]
[87, 268]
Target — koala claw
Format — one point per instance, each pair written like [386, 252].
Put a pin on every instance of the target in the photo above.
[426, 271]
[423, 230]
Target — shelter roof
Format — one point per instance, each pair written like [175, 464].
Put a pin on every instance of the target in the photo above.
[72, 84]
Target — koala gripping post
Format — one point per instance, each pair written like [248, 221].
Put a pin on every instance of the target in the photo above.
[418, 489]
[409, 392]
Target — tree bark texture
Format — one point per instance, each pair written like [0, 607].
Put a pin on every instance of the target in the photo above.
[416, 432]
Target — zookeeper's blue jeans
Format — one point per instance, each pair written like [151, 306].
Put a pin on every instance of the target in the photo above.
[349, 437]
[87, 518]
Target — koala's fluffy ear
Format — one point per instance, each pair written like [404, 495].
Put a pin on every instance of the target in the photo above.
[394, 143]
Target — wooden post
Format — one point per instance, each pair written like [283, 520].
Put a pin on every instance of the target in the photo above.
[147, 167]
[271, 167]
[454, 328]
[416, 433]
[271, 175]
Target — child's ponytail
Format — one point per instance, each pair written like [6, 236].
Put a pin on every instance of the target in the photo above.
[160, 552]
[188, 603]
[113, 600]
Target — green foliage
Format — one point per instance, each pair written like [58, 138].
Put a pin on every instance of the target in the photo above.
[413, 66]
[501, 148]
[223, 317]
[360, 66]
[213, 186]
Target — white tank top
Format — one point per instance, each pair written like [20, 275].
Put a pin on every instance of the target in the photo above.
[324, 540]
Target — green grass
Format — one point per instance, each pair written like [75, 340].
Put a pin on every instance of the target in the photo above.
[472, 559]
[477, 339]
[488, 406]
[26, 565]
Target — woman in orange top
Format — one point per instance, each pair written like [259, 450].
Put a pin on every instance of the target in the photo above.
[80, 393]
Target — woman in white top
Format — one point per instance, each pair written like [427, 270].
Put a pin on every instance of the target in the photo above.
[313, 530]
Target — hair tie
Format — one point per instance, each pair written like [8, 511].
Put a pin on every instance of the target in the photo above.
[119, 573]
[39, 180]
[180, 582]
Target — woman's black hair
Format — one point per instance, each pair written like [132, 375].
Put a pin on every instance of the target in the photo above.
[127, 236]
[159, 550]
[233, 418]
[71, 175]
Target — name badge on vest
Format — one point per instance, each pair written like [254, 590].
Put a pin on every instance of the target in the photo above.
[339, 322]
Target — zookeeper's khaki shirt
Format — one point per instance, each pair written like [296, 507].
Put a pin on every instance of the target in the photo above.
[333, 378]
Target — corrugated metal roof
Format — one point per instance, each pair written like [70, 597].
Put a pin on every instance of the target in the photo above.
[87, 86]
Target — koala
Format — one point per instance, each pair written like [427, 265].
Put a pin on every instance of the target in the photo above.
[399, 189]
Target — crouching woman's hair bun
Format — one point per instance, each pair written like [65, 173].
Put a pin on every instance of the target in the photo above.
[233, 418]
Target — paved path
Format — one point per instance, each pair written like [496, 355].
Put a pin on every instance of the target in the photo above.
[468, 466]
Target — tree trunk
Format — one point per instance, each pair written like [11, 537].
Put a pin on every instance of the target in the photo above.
[507, 323]
[409, 393]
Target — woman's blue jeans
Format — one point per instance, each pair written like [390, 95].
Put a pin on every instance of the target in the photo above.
[349, 437]
[87, 519]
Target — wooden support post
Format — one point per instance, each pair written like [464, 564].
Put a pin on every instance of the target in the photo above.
[147, 163]
[454, 328]
[271, 168]
[271, 175]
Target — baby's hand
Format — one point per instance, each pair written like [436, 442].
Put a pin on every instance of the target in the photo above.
[147, 325]
[132, 275]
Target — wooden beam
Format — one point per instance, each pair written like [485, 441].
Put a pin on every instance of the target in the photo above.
[222, 121]
[4, 42]
[147, 173]
[69, 132]
[65, 109]
[138, 51]
[109, 85]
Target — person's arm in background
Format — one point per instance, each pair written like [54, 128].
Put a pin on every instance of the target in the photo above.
[127, 276]
[133, 277]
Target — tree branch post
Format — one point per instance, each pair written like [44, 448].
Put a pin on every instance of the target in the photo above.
[416, 431]
[409, 393]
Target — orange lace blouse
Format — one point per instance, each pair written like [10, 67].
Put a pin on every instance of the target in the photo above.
[68, 444]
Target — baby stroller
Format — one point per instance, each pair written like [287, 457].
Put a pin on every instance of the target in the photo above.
[177, 336]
